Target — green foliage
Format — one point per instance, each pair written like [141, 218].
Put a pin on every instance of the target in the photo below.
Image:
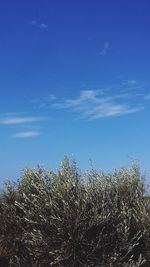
[69, 219]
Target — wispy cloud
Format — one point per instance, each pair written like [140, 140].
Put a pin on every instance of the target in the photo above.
[147, 97]
[89, 38]
[130, 82]
[35, 23]
[43, 26]
[25, 126]
[43, 101]
[131, 85]
[105, 49]
[94, 104]
[20, 120]
[26, 134]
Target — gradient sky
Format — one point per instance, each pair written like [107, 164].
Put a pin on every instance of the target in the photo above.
[74, 80]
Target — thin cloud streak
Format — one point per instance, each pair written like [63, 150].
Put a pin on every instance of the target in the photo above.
[27, 134]
[43, 102]
[20, 120]
[130, 82]
[105, 49]
[94, 104]
[43, 26]
[131, 85]
[147, 97]
[35, 23]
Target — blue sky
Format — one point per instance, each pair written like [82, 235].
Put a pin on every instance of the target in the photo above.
[74, 80]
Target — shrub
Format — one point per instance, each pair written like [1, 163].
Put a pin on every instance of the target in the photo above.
[66, 218]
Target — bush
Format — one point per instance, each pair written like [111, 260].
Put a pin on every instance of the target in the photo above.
[70, 219]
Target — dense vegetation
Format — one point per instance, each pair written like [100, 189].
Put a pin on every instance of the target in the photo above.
[69, 219]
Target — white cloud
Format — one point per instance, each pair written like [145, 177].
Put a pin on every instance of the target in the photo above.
[131, 85]
[89, 38]
[105, 49]
[94, 104]
[124, 96]
[43, 102]
[20, 120]
[43, 26]
[147, 97]
[33, 22]
[130, 82]
[26, 134]
[50, 97]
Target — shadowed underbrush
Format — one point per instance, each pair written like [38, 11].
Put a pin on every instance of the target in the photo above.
[69, 219]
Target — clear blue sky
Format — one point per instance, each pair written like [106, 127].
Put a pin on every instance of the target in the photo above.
[74, 79]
